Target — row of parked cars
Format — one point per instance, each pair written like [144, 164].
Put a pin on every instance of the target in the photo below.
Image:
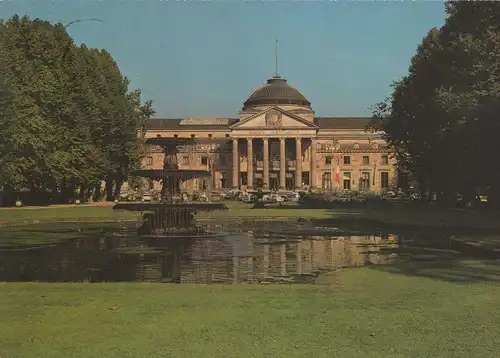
[273, 197]
[270, 197]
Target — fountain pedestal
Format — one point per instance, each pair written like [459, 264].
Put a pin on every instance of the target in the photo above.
[170, 217]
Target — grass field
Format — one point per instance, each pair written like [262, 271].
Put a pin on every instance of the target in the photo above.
[356, 313]
[12, 216]
[424, 217]
[444, 307]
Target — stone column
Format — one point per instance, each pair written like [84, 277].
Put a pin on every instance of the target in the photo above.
[249, 163]
[266, 163]
[236, 165]
[298, 164]
[282, 164]
[314, 174]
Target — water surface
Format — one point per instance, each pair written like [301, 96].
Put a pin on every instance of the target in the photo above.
[115, 252]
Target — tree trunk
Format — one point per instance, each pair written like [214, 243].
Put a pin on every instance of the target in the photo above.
[81, 194]
[109, 190]
[97, 193]
[118, 189]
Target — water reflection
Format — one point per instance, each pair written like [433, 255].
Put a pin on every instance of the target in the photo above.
[233, 258]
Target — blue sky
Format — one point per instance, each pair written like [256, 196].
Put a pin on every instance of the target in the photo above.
[204, 58]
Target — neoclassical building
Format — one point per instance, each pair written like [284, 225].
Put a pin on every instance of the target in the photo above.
[276, 142]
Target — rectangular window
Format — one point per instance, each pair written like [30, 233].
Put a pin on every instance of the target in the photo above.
[384, 180]
[347, 160]
[364, 182]
[347, 180]
[305, 178]
[210, 135]
[366, 160]
[149, 160]
[385, 159]
[204, 160]
[328, 160]
[185, 160]
[327, 180]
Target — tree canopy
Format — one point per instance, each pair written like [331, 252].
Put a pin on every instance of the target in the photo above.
[67, 118]
[442, 118]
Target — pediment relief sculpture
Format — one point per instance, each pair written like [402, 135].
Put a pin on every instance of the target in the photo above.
[274, 119]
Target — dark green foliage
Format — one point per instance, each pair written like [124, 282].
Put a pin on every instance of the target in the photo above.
[442, 118]
[67, 119]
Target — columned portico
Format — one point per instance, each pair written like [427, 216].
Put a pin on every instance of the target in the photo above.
[278, 143]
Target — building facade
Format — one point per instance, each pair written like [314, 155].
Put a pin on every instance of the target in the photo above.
[276, 142]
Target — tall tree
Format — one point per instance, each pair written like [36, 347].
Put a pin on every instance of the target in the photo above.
[67, 119]
[441, 118]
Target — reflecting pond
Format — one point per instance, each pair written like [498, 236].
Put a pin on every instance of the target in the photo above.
[243, 253]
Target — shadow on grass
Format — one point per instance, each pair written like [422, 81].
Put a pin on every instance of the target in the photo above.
[392, 221]
[443, 259]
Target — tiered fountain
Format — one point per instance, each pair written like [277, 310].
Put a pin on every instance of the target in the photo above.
[170, 217]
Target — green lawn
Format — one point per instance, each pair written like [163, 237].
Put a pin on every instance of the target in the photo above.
[12, 216]
[394, 215]
[417, 308]
[356, 313]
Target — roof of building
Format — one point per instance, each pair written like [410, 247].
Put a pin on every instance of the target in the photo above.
[224, 123]
[342, 122]
[275, 92]
[191, 123]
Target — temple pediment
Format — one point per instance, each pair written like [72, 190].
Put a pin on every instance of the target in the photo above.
[274, 118]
